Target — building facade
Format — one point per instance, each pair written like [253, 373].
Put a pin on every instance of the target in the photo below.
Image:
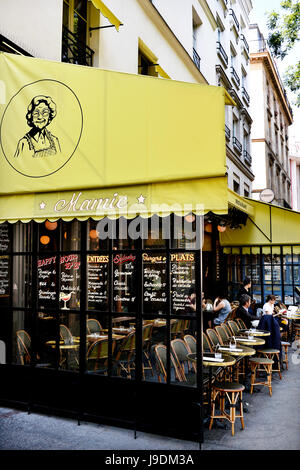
[294, 161]
[215, 34]
[272, 116]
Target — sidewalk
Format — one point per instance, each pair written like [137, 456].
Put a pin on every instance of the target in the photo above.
[272, 423]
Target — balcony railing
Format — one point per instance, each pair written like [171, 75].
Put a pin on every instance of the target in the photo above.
[245, 95]
[75, 51]
[222, 53]
[246, 45]
[237, 24]
[247, 157]
[227, 132]
[237, 144]
[235, 76]
[196, 58]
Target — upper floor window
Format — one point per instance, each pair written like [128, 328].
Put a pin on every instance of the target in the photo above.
[75, 33]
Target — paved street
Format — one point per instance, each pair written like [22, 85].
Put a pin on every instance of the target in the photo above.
[272, 423]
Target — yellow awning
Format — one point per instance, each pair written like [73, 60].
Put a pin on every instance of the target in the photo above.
[180, 197]
[269, 225]
[240, 202]
[107, 13]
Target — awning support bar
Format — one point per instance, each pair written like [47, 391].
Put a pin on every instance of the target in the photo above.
[102, 27]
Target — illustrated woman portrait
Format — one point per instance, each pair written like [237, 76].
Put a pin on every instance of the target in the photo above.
[39, 142]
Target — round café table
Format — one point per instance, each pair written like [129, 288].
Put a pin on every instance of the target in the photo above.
[240, 351]
[244, 340]
[256, 333]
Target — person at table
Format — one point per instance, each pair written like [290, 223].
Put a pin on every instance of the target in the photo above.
[242, 311]
[245, 288]
[221, 308]
[268, 308]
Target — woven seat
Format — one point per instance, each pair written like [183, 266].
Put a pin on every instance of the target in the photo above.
[233, 392]
[271, 353]
[256, 363]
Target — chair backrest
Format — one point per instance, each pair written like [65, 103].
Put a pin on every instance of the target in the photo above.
[160, 352]
[227, 329]
[147, 332]
[128, 343]
[206, 343]
[93, 326]
[24, 344]
[233, 327]
[241, 323]
[191, 343]
[221, 332]
[65, 334]
[213, 337]
[180, 350]
[231, 315]
[98, 351]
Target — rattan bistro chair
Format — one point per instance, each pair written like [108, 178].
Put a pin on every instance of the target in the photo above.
[191, 343]
[125, 356]
[93, 326]
[213, 337]
[147, 335]
[206, 343]
[233, 327]
[24, 346]
[65, 334]
[180, 352]
[222, 334]
[97, 355]
[160, 353]
[241, 324]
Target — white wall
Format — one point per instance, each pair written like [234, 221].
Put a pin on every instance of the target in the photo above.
[34, 25]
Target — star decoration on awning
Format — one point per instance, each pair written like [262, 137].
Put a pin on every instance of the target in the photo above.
[141, 199]
[42, 206]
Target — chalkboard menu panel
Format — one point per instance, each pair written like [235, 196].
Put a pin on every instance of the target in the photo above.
[69, 289]
[154, 283]
[4, 279]
[124, 282]
[97, 282]
[47, 276]
[4, 238]
[182, 281]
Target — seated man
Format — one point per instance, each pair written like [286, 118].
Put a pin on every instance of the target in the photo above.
[242, 311]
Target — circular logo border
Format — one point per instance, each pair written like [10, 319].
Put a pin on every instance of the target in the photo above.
[32, 83]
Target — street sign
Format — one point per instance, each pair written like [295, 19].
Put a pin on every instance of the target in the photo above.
[267, 195]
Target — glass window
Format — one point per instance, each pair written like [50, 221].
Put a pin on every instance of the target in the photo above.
[155, 282]
[48, 236]
[185, 232]
[71, 234]
[126, 227]
[158, 231]
[183, 283]
[256, 289]
[98, 282]
[22, 338]
[124, 346]
[95, 237]
[22, 237]
[69, 289]
[47, 281]
[5, 286]
[5, 238]
[124, 282]
[22, 282]
[69, 331]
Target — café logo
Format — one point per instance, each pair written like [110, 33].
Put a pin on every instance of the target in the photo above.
[41, 128]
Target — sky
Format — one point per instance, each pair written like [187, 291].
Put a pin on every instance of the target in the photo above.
[258, 15]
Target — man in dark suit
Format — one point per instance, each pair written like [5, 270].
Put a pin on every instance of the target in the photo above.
[242, 311]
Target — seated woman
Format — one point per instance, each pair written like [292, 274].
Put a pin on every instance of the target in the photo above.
[221, 309]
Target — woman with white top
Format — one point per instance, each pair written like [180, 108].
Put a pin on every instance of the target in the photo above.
[268, 308]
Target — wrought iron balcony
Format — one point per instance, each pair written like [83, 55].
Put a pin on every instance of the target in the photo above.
[247, 157]
[246, 45]
[237, 24]
[235, 76]
[237, 144]
[75, 51]
[222, 53]
[196, 58]
[227, 132]
[245, 95]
